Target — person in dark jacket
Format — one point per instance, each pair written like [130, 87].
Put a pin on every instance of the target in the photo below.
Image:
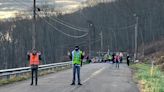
[128, 59]
[113, 57]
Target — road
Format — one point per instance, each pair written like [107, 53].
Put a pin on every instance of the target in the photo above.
[98, 77]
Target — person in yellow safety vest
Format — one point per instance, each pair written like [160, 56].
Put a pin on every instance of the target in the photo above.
[76, 56]
[105, 58]
[34, 58]
[110, 58]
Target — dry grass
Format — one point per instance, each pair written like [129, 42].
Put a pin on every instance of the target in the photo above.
[150, 79]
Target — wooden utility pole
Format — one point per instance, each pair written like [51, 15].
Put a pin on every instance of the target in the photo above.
[136, 37]
[34, 26]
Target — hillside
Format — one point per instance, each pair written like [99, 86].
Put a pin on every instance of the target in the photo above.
[115, 20]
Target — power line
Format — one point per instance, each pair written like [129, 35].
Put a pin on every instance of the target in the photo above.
[121, 28]
[22, 3]
[68, 25]
[71, 24]
[73, 36]
[126, 27]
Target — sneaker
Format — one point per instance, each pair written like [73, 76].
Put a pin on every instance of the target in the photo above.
[31, 84]
[72, 83]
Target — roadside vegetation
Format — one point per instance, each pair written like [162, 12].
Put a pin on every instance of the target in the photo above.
[150, 79]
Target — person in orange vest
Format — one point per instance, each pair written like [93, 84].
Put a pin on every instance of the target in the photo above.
[34, 58]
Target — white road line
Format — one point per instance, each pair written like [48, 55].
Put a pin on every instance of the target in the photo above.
[94, 74]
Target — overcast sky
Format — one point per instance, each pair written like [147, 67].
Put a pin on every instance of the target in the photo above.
[9, 7]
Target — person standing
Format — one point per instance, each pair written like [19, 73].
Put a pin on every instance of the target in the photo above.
[110, 58]
[113, 58]
[128, 59]
[76, 56]
[117, 60]
[34, 58]
[121, 57]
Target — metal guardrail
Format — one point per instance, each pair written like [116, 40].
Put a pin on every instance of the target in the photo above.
[18, 71]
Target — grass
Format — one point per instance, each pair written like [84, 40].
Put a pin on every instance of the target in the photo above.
[150, 79]
[15, 79]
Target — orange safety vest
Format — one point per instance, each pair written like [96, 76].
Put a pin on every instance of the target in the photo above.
[34, 59]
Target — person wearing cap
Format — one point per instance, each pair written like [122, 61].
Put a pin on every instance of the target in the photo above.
[76, 56]
[34, 58]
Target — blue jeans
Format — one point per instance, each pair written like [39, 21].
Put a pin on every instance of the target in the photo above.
[117, 64]
[76, 69]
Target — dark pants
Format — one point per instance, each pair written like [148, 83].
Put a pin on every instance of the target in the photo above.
[120, 59]
[76, 69]
[113, 61]
[34, 71]
[128, 62]
[117, 64]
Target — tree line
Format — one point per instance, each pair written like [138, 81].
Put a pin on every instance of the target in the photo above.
[114, 19]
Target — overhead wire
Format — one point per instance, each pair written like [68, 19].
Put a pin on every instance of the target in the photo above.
[125, 27]
[73, 36]
[68, 25]
[20, 2]
[120, 28]
[71, 24]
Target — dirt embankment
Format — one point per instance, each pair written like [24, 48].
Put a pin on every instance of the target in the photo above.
[155, 52]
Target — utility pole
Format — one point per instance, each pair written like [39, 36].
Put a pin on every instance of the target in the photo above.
[89, 38]
[94, 40]
[143, 44]
[136, 37]
[89, 45]
[115, 40]
[101, 36]
[91, 30]
[34, 26]
[101, 50]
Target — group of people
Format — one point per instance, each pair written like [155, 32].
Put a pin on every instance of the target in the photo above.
[76, 56]
[118, 58]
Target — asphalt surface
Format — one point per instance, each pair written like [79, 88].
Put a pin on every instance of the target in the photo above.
[97, 77]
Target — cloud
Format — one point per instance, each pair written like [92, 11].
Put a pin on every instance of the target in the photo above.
[7, 14]
[9, 8]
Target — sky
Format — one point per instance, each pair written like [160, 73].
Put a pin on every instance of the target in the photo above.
[9, 8]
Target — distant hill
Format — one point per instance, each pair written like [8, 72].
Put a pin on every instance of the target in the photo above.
[115, 20]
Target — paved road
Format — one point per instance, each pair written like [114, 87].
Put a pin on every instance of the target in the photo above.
[99, 77]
